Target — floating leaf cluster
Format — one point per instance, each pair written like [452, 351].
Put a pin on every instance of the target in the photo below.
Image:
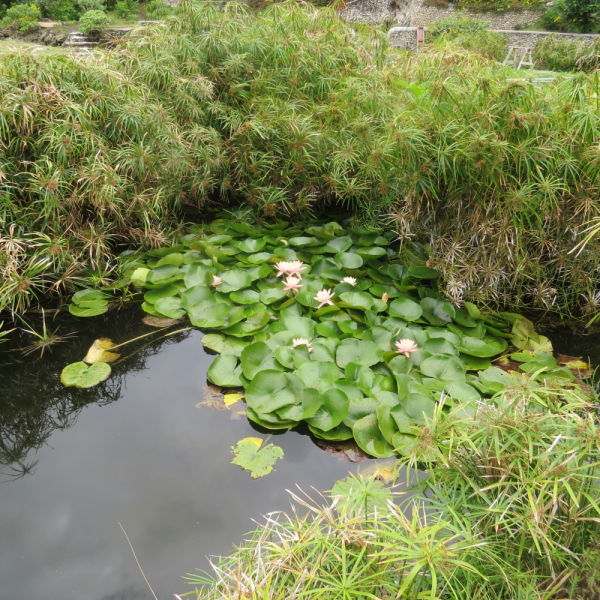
[370, 364]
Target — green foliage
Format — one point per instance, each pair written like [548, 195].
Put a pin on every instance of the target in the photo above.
[22, 17]
[88, 303]
[567, 55]
[94, 23]
[87, 5]
[455, 26]
[489, 44]
[126, 9]
[581, 15]
[312, 119]
[157, 9]
[64, 10]
[499, 6]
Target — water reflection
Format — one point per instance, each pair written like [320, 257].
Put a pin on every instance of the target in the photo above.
[34, 402]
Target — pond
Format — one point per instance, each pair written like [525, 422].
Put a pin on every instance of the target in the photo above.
[136, 450]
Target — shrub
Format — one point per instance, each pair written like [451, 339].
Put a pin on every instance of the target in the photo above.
[126, 9]
[456, 25]
[566, 55]
[157, 9]
[88, 5]
[581, 15]
[489, 44]
[22, 17]
[64, 10]
[93, 23]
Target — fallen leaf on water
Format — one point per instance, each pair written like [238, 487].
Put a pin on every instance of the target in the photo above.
[578, 366]
[384, 470]
[231, 399]
[345, 451]
[214, 398]
[250, 456]
[153, 321]
[99, 352]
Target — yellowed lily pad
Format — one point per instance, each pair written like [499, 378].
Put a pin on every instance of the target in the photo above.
[100, 352]
[250, 456]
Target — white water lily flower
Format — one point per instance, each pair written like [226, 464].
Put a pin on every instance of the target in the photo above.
[324, 297]
[292, 267]
[406, 347]
[292, 283]
[301, 342]
[216, 281]
[350, 280]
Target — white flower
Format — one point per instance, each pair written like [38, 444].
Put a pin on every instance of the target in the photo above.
[406, 347]
[216, 281]
[301, 342]
[292, 283]
[385, 297]
[290, 267]
[350, 280]
[324, 297]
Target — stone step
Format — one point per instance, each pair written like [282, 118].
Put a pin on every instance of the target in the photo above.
[80, 44]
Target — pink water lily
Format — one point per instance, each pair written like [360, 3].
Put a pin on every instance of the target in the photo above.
[301, 342]
[216, 281]
[406, 347]
[350, 280]
[291, 267]
[324, 297]
[292, 283]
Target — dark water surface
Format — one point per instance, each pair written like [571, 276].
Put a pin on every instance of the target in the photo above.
[136, 451]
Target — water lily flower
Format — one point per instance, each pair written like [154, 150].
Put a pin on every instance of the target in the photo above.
[216, 281]
[301, 342]
[350, 280]
[292, 283]
[406, 347]
[292, 267]
[324, 297]
[385, 297]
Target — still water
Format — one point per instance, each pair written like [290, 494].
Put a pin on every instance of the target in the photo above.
[135, 450]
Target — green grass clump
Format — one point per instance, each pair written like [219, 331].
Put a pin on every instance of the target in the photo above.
[509, 510]
[567, 55]
[285, 111]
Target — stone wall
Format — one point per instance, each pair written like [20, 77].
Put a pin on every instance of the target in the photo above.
[414, 13]
[421, 16]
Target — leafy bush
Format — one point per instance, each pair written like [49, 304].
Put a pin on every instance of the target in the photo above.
[581, 15]
[22, 17]
[93, 23]
[499, 5]
[284, 112]
[456, 25]
[126, 9]
[566, 55]
[64, 10]
[87, 5]
[157, 9]
[489, 44]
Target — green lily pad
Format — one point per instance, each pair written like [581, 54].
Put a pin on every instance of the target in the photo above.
[224, 371]
[360, 300]
[258, 357]
[251, 245]
[370, 439]
[251, 457]
[245, 297]
[446, 368]
[81, 375]
[318, 375]
[271, 390]
[405, 309]
[422, 272]
[348, 260]
[485, 348]
[77, 311]
[234, 280]
[170, 307]
[332, 412]
[359, 352]
[338, 245]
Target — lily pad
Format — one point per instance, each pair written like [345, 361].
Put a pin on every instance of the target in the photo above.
[356, 351]
[224, 371]
[251, 457]
[81, 375]
[257, 357]
[405, 309]
[370, 439]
